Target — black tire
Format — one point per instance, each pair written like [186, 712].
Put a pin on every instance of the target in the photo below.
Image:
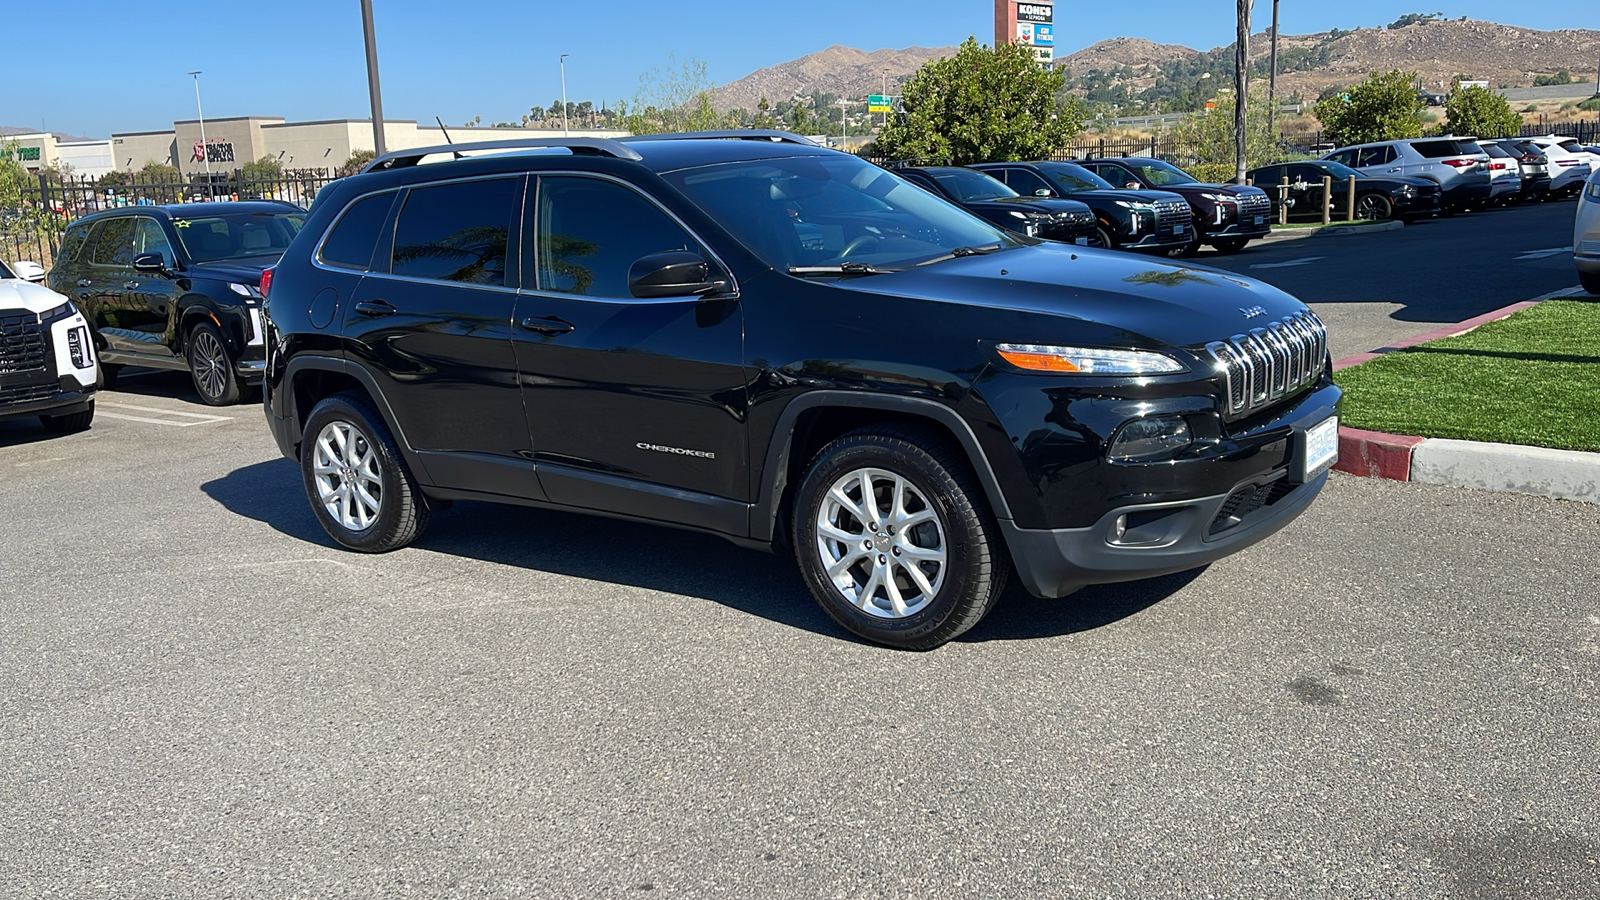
[1107, 242]
[70, 422]
[1374, 207]
[1231, 245]
[211, 366]
[108, 376]
[402, 511]
[1590, 281]
[1186, 250]
[965, 585]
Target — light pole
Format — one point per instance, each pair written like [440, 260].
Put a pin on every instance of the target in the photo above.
[563, 62]
[205, 155]
[372, 77]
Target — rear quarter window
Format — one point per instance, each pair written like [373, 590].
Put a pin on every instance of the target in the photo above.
[71, 244]
[354, 236]
[1436, 149]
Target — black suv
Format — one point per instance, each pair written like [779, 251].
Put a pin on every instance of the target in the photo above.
[988, 198]
[1128, 219]
[177, 287]
[747, 334]
[1226, 216]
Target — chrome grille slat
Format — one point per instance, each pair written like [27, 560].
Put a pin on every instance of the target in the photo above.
[1270, 363]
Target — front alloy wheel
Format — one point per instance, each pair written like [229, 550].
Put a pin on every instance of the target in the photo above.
[881, 543]
[1373, 207]
[211, 367]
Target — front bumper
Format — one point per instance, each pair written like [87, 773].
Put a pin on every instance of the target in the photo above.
[63, 398]
[1171, 535]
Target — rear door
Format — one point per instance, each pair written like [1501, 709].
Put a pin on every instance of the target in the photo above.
[105, 283]
[636, 406]
[431, 323]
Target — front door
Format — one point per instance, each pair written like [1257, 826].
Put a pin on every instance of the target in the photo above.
[635, 406]
[152, 294]
[431, 323]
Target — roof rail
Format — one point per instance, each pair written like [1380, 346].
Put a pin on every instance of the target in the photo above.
[400, 159]
[742, 134]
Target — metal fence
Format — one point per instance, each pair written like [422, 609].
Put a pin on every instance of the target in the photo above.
[33, 230]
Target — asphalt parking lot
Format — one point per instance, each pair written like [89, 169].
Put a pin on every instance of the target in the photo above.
[201, 697]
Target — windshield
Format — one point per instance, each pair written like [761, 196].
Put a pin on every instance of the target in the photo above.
[1072, 178]
[1337, 170]
[1161, 174]
[967, 185]
[237, 235]
[803, 211]
[5, 272]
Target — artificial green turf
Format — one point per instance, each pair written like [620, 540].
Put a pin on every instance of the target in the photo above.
[1532, 378]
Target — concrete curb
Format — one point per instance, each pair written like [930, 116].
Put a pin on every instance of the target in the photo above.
[1295, 234]
[1510, 468]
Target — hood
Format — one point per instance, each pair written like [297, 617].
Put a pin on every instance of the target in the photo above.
[1048, 205]
[17, 294]
[1203, 187]
[1141, 300]
[1144, 196]
[245, 270]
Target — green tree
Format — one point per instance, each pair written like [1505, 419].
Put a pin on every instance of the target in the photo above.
[1382, 108]
[358, 159]
[1480, 112]
[1208, 138]
[267, 168]
[674, 98]
[154, 170]
[983, 104]
[13, 177]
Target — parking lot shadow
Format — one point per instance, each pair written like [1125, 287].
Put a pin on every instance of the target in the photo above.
[660, 558]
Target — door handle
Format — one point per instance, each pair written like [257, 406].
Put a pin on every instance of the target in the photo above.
[548, 325]
[84, 282]
[377, 309]
[129, 285]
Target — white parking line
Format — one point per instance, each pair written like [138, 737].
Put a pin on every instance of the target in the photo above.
[1304, 260]
[1541, 254]
[199, 418]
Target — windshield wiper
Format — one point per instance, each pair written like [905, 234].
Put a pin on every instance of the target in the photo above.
[959, 252]
[844, 268]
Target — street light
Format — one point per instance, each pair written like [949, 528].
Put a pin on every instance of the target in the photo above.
[205, 156]
[563, 62]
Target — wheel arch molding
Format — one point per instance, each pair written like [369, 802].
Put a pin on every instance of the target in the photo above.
[780, 471]
[307, 380]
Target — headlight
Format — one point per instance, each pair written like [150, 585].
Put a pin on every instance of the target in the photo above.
[1220, 198]
[1088, 360]
[1149, 439]
[60, 312]
[244, 290]
[1017, 215]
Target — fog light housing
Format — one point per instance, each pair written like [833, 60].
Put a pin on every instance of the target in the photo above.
[1143, 440]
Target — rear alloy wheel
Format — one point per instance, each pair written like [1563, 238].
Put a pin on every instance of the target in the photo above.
[1373, 207]
[895, 540]
[356, 480]
[211, 366]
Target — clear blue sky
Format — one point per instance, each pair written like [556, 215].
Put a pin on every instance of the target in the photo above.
[91, 67]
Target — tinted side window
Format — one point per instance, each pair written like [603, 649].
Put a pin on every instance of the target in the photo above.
[1435, 149]
[353, 237]
[113, 243]
[1348, 157]
[1372, 156]
[1024, 182]
[72, 243]
[151, 239]
[589, 232]
[457, 231]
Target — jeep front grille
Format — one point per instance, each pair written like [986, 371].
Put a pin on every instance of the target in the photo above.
[1267, 364]
[21, 343]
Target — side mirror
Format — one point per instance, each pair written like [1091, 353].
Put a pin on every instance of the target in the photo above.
[153, 263]
[672, 273]
[29, 271]
[1044, 192]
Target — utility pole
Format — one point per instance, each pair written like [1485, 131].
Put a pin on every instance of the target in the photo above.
[1272, 78]
[563, 62]
[1241, 86]
[205, 150]
[372, 78]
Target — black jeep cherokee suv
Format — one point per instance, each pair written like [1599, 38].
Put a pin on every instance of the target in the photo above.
[177, 287]
[784, 345]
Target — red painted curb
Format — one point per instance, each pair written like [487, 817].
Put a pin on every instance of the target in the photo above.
[1375, 454]
[1434, 335]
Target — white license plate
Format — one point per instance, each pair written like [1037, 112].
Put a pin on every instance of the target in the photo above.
[1261, 220]
[1081, 242]
[1322, 448]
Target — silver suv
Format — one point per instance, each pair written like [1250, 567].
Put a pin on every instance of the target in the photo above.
[1457, 165]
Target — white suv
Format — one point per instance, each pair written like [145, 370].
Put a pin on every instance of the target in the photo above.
[1570, 164]
[1586, 235]
[47, 364]
[1457, 165]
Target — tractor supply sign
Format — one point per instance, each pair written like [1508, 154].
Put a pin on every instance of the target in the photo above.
[1035, 12]
[213, 151]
